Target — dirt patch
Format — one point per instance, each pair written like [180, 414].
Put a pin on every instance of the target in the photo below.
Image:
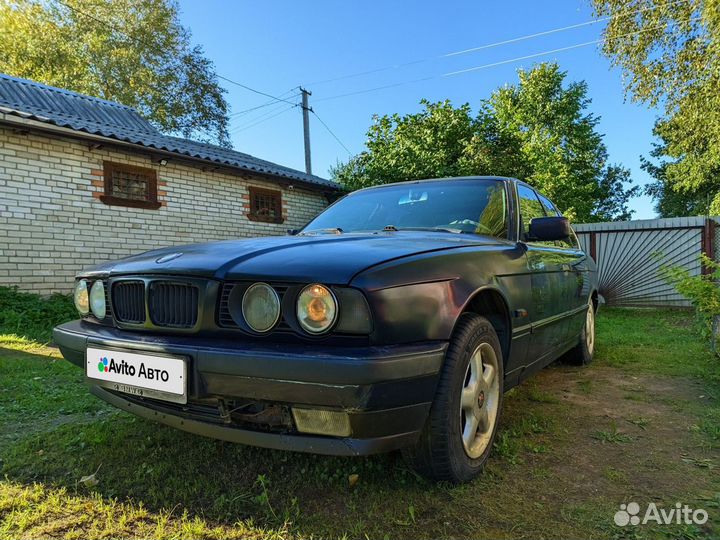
[624, 435]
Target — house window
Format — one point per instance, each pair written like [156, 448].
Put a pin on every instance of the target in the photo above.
[127, 185]
[265, 205]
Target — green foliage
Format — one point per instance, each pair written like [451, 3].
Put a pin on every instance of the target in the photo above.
[670, 56]
[538, 130]
[671, 202]
[32, 316]
[703, 290]
[131, 51]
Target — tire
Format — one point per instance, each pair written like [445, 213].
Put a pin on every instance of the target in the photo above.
[471, 379]
[582, 353]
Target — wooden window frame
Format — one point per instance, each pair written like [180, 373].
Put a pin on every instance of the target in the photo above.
[253, 191]
[108, 198]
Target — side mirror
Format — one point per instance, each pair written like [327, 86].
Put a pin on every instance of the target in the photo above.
[546, 229]
[293, 232]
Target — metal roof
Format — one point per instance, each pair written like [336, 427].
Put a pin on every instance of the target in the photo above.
[86, 114]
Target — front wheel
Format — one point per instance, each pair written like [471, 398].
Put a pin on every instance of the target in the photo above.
[582, 353]
[460, 430]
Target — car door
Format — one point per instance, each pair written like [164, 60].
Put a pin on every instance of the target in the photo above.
[576, 284]
[550, 269]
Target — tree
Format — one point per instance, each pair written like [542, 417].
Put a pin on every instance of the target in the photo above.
[537, 130]
[671, 202]
[669, 53]
[131, 51]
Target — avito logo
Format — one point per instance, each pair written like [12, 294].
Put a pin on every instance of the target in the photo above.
[103, 365]
[123, 368]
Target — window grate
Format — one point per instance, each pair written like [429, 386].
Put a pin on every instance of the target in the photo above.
[265, 205]
[128, 185]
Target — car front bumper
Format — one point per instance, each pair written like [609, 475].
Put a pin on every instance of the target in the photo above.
[385, 391]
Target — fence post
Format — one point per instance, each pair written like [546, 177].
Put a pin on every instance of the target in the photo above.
[593, 246]
[708, 243]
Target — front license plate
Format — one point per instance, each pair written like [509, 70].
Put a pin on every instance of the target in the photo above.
[141, 374]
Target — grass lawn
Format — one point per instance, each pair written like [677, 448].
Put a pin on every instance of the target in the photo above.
[642, 424]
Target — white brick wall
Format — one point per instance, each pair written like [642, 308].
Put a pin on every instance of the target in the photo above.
[52, 224]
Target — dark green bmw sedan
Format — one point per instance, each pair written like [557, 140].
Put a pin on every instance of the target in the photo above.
[396, 319]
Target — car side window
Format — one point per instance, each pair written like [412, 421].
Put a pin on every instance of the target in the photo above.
[571, 242]
[530, 208]
[549, 207]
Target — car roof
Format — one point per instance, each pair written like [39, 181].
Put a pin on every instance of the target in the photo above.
[449, 179]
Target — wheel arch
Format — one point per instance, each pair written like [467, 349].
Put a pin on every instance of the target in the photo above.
[490, 303]
[595, 299]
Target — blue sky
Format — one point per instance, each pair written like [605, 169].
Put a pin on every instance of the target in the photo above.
[276, 46]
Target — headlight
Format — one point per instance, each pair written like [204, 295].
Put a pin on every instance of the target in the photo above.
[316, 309]
[97, 299]
[82, 303]
[260, 307]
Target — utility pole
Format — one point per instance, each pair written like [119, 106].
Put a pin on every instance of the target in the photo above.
[306, 128]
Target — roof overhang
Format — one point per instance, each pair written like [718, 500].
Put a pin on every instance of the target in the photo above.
[25, 124]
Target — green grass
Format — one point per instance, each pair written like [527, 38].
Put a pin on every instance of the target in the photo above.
[613, 435]
[664, 342]
[561, 433]
[32, 317]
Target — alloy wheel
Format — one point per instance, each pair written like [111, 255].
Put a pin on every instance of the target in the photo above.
[590, 328]
[479, 400]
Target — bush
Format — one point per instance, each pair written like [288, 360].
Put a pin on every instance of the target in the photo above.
[703, 291]
[33, 316]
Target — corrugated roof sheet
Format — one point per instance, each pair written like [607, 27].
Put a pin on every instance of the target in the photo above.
[87, 114]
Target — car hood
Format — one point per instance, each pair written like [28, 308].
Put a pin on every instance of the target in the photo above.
[331, 259]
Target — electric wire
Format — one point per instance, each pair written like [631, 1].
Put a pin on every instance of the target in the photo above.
[492, 45]
[332, 133]
[486, 66]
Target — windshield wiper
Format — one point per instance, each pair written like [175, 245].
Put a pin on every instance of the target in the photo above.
[330, 230]
[435, 229]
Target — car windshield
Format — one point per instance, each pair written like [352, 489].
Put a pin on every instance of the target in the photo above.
[462, 206]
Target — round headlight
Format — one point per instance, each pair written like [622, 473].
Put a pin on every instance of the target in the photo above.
[316, 308]
[260, 307]
[82, 303]
[97, 299]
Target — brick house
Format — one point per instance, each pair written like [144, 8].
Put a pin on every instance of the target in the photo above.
[83, 180]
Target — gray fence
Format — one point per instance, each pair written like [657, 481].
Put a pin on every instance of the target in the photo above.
[628, 269]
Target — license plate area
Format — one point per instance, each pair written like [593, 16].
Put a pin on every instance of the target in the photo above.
[139, 373]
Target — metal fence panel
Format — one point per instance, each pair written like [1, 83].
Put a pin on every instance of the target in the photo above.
[630, 253]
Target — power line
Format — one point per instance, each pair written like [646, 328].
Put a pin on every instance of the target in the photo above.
[246, 87]
[331, 132]
[261, 117]
[377, 88]
[266, 104]
[266, 119]
[492, 45]
[576, 46]
[535, 55]
[486, 66]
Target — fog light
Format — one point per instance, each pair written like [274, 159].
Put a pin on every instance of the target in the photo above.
[322, 422]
